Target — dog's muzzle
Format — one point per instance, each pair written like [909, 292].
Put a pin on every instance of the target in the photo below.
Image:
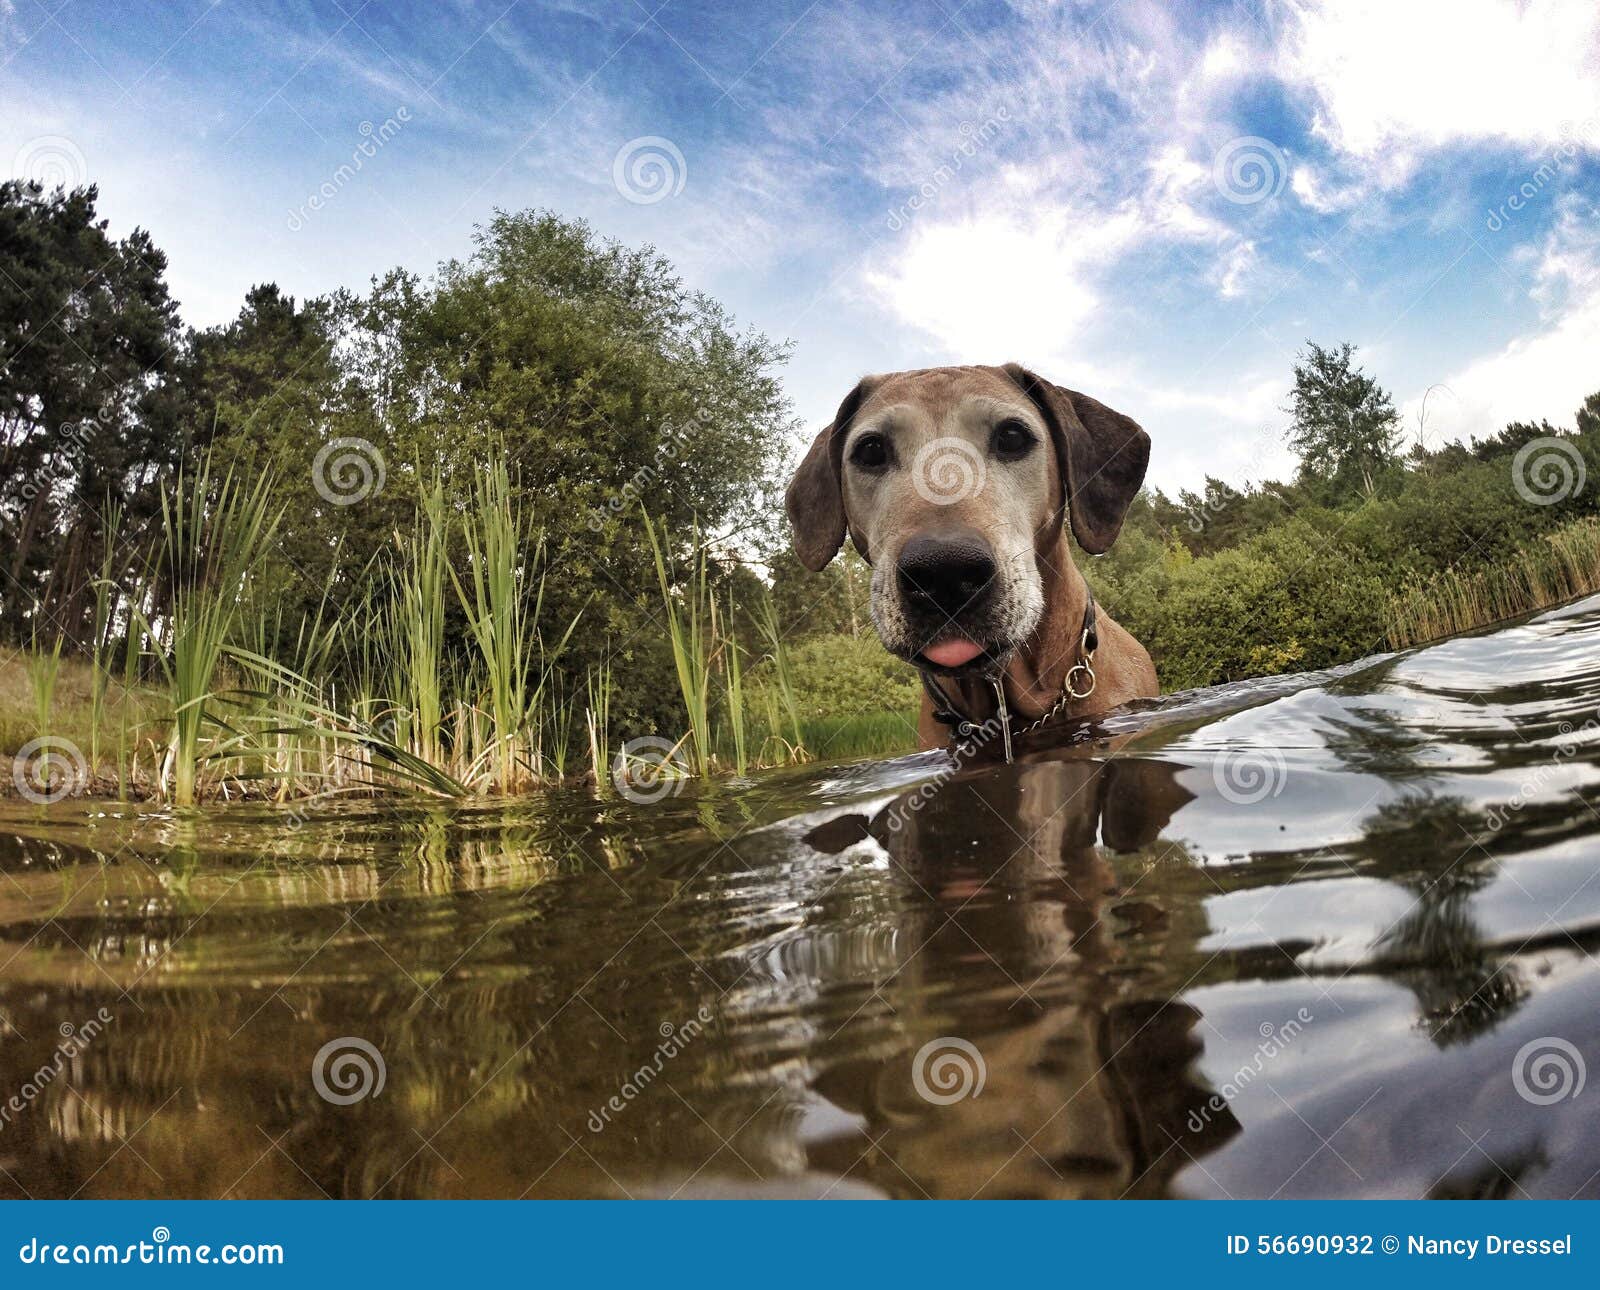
[946, 577]
[948, 587]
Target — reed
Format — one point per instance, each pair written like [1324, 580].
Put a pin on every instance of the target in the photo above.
[372, 693]
[597, 720]
[44, 667]
[105, 604]
[1554, 568]
[690, 631]
[733, 681]
[783, 687]
[495, 618]
[416, 624]
[214, 536]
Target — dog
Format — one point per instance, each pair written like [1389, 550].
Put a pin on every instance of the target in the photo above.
[958, 486]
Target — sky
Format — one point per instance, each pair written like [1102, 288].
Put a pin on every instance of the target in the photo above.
[1156, 204]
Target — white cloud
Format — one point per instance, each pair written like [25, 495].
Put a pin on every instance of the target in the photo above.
[1016, 281]
[1391, 78]
[1547, 373]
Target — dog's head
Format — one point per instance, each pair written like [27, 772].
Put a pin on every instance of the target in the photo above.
[953, 483]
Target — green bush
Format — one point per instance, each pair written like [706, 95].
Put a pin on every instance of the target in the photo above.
[1287, 600]
[847, 676]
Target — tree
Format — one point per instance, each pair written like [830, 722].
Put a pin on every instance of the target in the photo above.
[1588, 416]
[89, 346]
[1344, 426]
[615, 390]
[267, 392]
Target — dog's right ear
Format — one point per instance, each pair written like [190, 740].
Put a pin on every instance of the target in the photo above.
[815, 497]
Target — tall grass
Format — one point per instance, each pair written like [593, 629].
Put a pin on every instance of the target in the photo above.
[215, 534]
[731, 721]
[689, 612]
[437, 670]
[1554, 568]
[44, 666]
[416, 625]
[503, 602]
[105, 604]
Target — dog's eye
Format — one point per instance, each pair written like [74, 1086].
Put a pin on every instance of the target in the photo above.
[871, 452]
[1012, 439]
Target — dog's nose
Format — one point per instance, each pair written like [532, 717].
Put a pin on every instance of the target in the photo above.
[945, 573]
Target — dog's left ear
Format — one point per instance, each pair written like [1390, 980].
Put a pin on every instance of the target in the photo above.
[1103, 457]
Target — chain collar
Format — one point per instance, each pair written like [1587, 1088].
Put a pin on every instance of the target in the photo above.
[1078, 684]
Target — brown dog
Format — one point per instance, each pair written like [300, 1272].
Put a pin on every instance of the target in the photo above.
[958, 484]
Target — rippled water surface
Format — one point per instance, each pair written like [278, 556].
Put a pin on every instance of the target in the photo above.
[1322, 936]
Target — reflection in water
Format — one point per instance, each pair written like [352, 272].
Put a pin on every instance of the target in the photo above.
[1317, 936]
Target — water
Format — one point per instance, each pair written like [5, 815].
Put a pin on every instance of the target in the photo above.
[1321, 936]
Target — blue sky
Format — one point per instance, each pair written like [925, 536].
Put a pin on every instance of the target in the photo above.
[1157, 204]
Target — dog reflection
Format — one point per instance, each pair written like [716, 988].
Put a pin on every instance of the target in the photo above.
[1031, 1062]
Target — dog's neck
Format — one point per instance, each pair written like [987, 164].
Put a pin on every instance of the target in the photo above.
[1035, 675]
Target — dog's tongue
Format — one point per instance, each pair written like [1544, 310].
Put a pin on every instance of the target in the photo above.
[953, 651]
